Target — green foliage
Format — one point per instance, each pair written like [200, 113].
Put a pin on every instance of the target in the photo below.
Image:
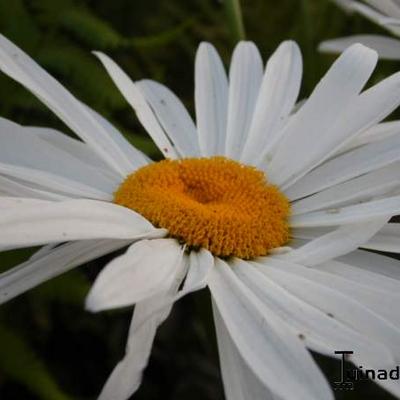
[22, 365]
[90, 29]
[69, 289]
[235, 19]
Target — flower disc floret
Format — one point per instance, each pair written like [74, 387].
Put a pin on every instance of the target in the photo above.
[215, 203]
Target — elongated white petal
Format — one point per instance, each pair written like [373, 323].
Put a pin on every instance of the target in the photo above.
[51, 222]
[387, 239]
[211, 100]
[44, 250]
[147, 268]
[8, 202]
[138, 102]
[375, 301]
[21, 148]
[376, 14]
[316, 121]
[315, 288]
[135, 157]
[312, 287]
[245, 77]
[148, 315]
[240, 383]
[364, 212]
[345, 4]
[388, 7]
[347, 166]
[83, 150]
[23, 69]
[387, 47]
[311, 233]
[389, 21]
[200, 264]
[372, 262]
[374, 298]
[334, 244]
[173, 117]
[278, 95]
[54, 183]
[48, 264]
[318, 331]
[371, 107]
[373, 281]
[362, 188]
[373, 134]
[268, 347]
[16, 188]
[73, 147]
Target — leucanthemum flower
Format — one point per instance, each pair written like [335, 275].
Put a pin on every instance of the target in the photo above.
[385, 13]
[263, 201]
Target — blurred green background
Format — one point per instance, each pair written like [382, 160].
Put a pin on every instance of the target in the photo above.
[50, 348]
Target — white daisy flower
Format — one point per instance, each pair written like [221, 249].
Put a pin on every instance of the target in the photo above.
[385, 13]
[263, 202]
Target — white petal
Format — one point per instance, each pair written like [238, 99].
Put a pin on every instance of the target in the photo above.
[173, 117]
[347, 166]
[148, 315]
[298, 105]
[135, 157]
[362, 188]
[268, 347]
[388, 7]
[211, 100]
[19, 189]
[138, 102]
[372, 262]
[311, 233]
[22, 148]
[25, 226]
[316, 122]
[369, 108]
[364, 212]
[374, 281]
[373, 134]
[278, 95]
[240, 383]
[245, 77]
[147, 268]
[345, 4]
[7, 202]
[316, 289]
[73, 147]
[84, 152]
[334, 244]
[48, 264]
[54, 183]
[23, 69]
[319, 331]
[365, 291]
[368, 12]
[46, 249]
[387, 47]
[387, 239]
[200, 264]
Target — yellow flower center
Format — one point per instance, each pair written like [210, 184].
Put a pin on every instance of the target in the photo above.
[216, 203]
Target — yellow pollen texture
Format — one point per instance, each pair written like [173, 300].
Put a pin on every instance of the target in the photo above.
[216, 203]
